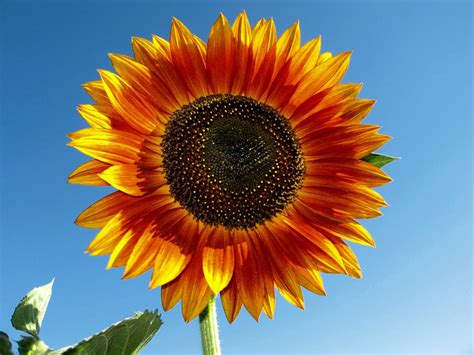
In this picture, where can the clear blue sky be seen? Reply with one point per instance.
(414, 57)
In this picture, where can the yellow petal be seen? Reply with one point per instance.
(140, 77)
(231, 301)
(264, 53)
(123, 249)
(162, 46)
(196, 292)
(304, 60)
(287, 45)
(218, 260)
(96, 91)
(189, 58)
(221, 56)
(95, 115)
(242, 36)
(350, 260)
(125, 178)
(171, 293)
(143, 256)
(324, 57)
(171, 257)
(249, 279)
(323, 76)
(167, 75)
(310, 279)
(108, 146)
(98, 214)
(135, 109)
(109, 236)
(87, 174)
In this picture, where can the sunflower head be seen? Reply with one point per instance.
(237, 163)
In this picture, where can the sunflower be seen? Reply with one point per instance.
(237, 165)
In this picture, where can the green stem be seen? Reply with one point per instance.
(209, 330)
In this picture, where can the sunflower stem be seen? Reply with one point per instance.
(209, 329)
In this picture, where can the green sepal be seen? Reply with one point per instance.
(379, 160)
(29, 313)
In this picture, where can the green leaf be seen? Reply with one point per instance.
(379, 160)
(29, 313)
(32, 346)
(5, 344)
(126, 337)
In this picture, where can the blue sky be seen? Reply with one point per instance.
(414, 57)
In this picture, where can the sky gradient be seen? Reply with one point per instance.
(415, 58)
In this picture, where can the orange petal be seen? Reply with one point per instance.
(196, 292)
(346, 170)
(287, 45)
(87, 174)
(218, 260)
(119, 238)
(267, 275)
(311, 249)
(166, 73)
(123, 249)
(355, 141)
(285, 278)
(249, 278)
(221, 56)
(98, 214)
(334, 100)
(137, 112)
(263, 47)
(140, 77)
(109, 236)
(95, 116)
(142, 257)
(109, 146)
(242, 36)
(351, 230)
(269, 302)
(324, 57)
(231, 301)
(162, 47)
(348, 256)
(171, 293)
(286, 283)
(95, 89)
(189, 58)
(132, 180)
(340, 203)
(356, 111)
(175, 250)
(321, 77)
(263, 39)
(146, 53)
(310, 279)
(169, 263)
(156, 56)
(304, 60)
(327, 185)
(151, 152)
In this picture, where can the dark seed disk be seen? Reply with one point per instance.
(231, 161)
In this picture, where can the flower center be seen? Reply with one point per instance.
(239, 153)
(231, 161)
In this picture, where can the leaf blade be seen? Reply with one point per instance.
(29, 313)
(5, 344)
(128, 336)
